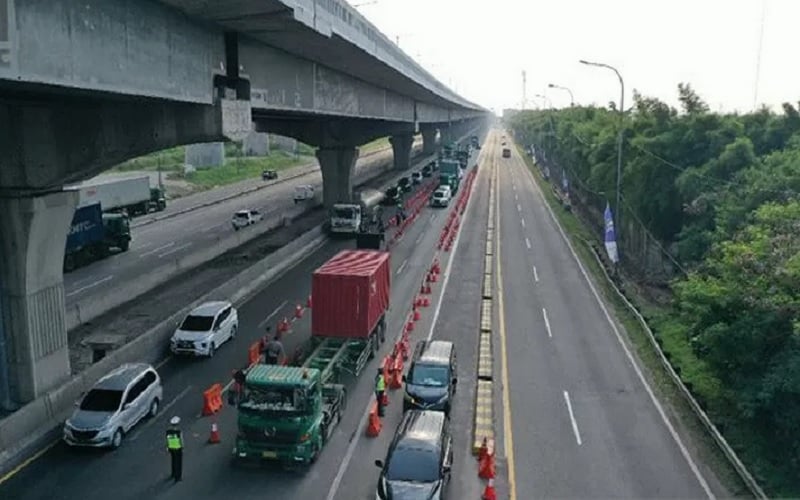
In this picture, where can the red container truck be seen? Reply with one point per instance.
(351, 294)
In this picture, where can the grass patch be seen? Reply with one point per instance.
(672, 336)
(239, 169)
(170, 160)
(375, 145)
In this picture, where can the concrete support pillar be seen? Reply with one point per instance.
(401, 148)
(256, 144)
(428, 141)
(210, 154)
(338, 166)
(33, 233)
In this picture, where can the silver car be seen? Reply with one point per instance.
(115, 404)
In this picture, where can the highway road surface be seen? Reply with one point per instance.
(140, 468)
(161, 242)
(584, 423)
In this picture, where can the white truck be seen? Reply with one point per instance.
(132, 194)
(347, 218)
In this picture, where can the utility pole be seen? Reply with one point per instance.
(524, 89)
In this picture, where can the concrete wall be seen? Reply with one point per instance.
(256, 144)
(211, 154)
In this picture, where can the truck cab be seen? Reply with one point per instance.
(345, 218)
(286, 414)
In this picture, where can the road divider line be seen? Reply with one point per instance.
(535, 275)
(272, 314)
(157, 249)
(519, 208)
(572, 419)
(176, 249)
(402, 266)
(522, 221)
(547, 323)
(90, 285)
(528, 243)
(419, 238)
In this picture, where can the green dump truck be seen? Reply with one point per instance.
(287, 413)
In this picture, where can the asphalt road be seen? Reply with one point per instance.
(140, 468)
(584, 424)
(162, 242)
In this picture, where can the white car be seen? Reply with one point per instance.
(206, 328)
(441, 197)
(244, 218)
(303, 192)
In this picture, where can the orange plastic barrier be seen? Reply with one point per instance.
(254, 353)
(212, 400)
(397, 372)
(374, 424)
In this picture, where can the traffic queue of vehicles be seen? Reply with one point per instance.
(287, 413)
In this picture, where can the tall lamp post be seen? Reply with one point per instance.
(619, 136)
(559, 87)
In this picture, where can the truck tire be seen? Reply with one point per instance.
(382, 330)
(124, 245)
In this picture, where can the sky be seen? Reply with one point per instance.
(479, 48)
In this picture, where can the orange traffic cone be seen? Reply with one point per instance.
(374, 425)
(308, 302)
(416, 314)
(484, 450)
(214, 437)
(298, 311)
(486, 469)
(488, 492)
(425, 302)
(385, 399)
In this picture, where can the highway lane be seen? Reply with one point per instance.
(458, 299)
(139, 469)
(165, 241)
(584, 424)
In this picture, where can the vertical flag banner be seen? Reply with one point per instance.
(564, 181)
(610, 236)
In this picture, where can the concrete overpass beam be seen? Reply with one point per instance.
(428, 141)
(338, 167)
(401, 147)
(33, 233)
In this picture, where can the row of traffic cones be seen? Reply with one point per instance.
(486, 470)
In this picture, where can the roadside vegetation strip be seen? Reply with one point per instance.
(647, 344)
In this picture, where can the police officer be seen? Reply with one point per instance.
(380, 389)
(175, 448)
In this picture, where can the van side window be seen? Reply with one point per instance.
(135, 390)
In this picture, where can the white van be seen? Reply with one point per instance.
(441, 197)
(303, 192)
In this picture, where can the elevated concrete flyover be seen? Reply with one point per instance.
(87, 84)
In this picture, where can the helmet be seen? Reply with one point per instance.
(175, 420)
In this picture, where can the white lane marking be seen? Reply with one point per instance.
(523, 222)
(535, 275)
(433, 217)
(144, 245)
(402, 266)
(419, 238)
(547, 323)
(173, 250)
(157, 249)
(527, 243)
(516, 198)
(90, 285)
(685, 452)
(363, 422)
(514, 187)
(572, 419)
(272, 314)
(162, 411)
(519, 208)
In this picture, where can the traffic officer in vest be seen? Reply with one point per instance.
(380, 389)
(175, 448)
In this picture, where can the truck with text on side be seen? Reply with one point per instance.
(450, 173)
(288, 413)
(132, 195)
(348, 218)
(93, 235)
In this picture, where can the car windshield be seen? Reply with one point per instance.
(197, 323)
(391, 191)
(241, 215)
(101, 400)
(274, 399)
(403, 181)
(429, 375)
(409, 463)
(438, 194)
(344, 212)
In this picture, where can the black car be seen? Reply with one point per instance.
(432, 377)
(268, 175)
(404, 185)
(419, 459)
(427, 171)
(434, 165)
(416, 177)
(393, 195)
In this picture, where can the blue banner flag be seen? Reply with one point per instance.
(564, 181)
(610, 236)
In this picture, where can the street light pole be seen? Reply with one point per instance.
(619, 135)
(571, 97)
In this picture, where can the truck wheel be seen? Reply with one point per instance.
(382, 331)
(69, 263)
(124, 245)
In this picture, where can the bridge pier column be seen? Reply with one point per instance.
(338, 166)
(401, 148)
(33, 233)
(428, 141)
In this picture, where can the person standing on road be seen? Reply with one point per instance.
(175, 448)
(274, 351)
(380, 390)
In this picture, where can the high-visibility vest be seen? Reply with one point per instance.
(380, 384)
(174, 441)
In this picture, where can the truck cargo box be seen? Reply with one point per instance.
(112, 192)
(87, 227)
(350, 293)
